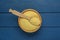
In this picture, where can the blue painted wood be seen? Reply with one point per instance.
(49, 10)
(49, 19)
(39, 5)
(18, 34)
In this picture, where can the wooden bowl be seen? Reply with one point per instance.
(26, 25)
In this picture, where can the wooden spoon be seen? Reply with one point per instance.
(18, 14)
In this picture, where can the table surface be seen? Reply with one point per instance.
(49, 10)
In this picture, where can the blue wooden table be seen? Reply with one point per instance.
(49, 10)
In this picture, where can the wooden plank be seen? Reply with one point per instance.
(49, 19)
(18, 34)
(39, 5)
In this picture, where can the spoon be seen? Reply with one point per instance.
(18, 14)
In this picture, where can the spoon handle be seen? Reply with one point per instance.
(18, 14)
